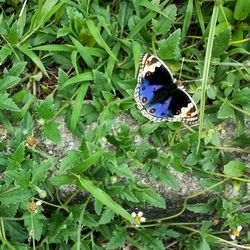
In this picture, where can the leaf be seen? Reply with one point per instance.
(86, 76)
(225, 111)
(169, 48)
(148, 128)
(169, 179)
(88, 162)
(46, 109)
(84, 52)
(20, 176)
(242, 9)
(207, 208)
(52, 132)
(8, 82)
(7, 103)
(40, 172)
(33, 57)
(104, 198)
(118, 239)
(76, 112)
(63, 179)
(163, 24)
(234, 168)
(18, 154)
(221, 41)
(106, 217)
(97, 36)
(15, 196)
(148, 195)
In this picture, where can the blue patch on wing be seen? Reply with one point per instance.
(146, 92)
(161, 110)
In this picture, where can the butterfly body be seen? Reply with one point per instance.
(157, 95)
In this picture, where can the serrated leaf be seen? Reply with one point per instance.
(46, 109)
(207, 208)
(40, 172)
(153, 198)
(107, 216)
(169, 48)
(20, 176)
(234, 168)
(118, 239)
(7, 103)
(52, 132)
(169, 179)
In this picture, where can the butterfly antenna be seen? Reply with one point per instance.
(182, 62)
(194, 80)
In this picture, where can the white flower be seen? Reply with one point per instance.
(138, 217)
(235, 232)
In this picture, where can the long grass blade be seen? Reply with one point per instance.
(206, 68)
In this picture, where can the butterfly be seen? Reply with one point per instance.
(157, 95)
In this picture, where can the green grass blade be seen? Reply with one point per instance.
(137, 28)
(97, 36)
(104, 198)
(111, 60)
(86, 76)
(78, 105)
(208, 55)
(187, 20)
(33, 57)
(199, 16)
(88, 162)
(86, 56)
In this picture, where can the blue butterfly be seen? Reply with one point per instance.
(157, 95)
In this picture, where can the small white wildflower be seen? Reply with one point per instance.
(235, 232)
(138, 217)
(33, 206)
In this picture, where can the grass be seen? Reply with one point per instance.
(79, 60)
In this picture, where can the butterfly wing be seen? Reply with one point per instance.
(157, 95)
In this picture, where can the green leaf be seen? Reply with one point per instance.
(221, 41)
(84, 52)
(118, 239)
(46, 109)
(78, 105)
(106, 217)
(20, 176)
(225, 110)
(163, 24)
(62, 179)
(207, 208)
(86, 76)
(88, 162)
(52, 132)
(18, 154)
(97, 36)
(169, 48)
(148, 128)
(7, 103)
(242, 9)
(104, 198)
(33, 57)
(5, 52)
(153, 198)
(15, 196)
(234, 169)
(40, 172)
(169, 179)
(8, 82)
